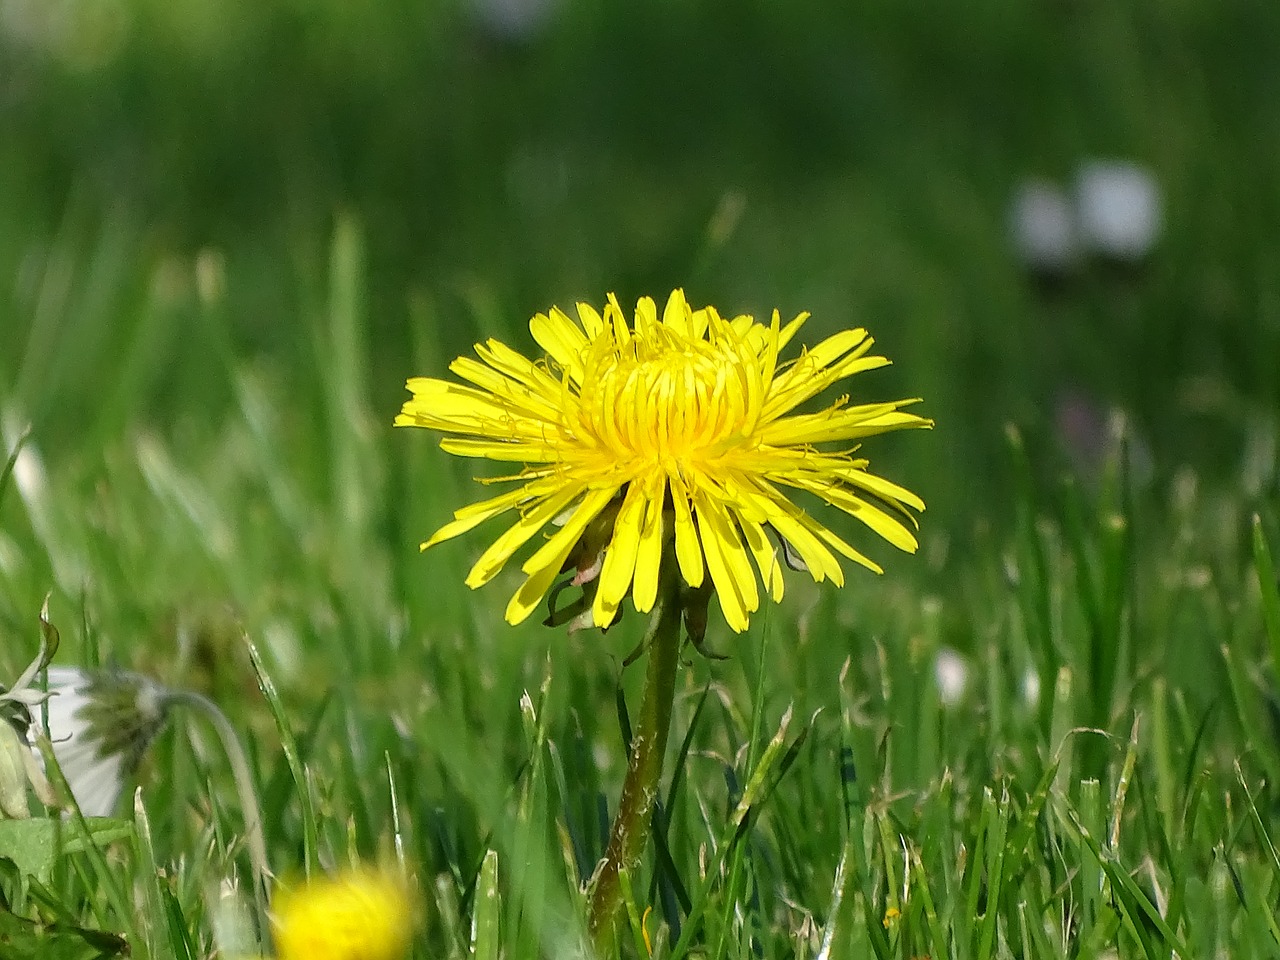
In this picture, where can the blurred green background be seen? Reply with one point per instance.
(172, 172)
(230, 229)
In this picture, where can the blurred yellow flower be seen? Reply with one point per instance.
(362, 915)
(674, 427)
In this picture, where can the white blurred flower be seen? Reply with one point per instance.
(1031, 688)
(1119, 209)
(951, 674)
(1043, 228)
(100, 724)
(514, 20)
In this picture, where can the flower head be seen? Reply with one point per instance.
(362, 915)
(1119, 208)
(100, 724)
(677, 430)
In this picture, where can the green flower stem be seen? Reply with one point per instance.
(242, 774)
(631, 826)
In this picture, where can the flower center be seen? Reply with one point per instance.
(678, 402)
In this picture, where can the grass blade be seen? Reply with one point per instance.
(1269, 587)
(289, 745)
(486, 920)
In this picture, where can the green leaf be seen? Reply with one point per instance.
(23, 939)
(34, 845)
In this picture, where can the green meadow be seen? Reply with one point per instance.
(229, 231)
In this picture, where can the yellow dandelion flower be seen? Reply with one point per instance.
(682, 427)
(361, 915)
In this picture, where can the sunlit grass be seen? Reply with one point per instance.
(825, 793)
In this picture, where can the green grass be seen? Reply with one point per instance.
(212, 472)
(1129, 805)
